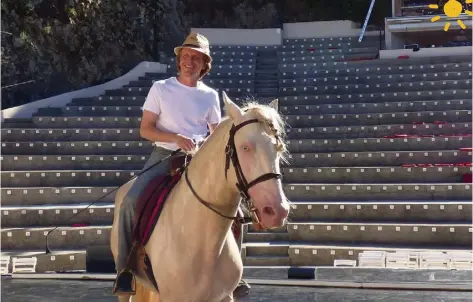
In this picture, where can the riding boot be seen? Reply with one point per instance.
(125, 283)
(242, 289)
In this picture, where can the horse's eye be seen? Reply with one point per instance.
(246, 148)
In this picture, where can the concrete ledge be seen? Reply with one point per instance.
(246, 37)
(438, 286)
(424, 23)
(27, 110)
(363, 274)
(323, 29)
(426, 52)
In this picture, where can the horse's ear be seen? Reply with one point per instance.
(232, 109)
(274, 104)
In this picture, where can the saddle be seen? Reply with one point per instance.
(148, 210)
(151, 201)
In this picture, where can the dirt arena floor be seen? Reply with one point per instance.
(16, 290)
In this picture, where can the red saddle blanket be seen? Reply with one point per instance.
(151, 202)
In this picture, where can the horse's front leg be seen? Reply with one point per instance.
(228, 299)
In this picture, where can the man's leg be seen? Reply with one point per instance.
(127, 210)
(243, 288)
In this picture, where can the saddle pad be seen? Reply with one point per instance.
(150, 205)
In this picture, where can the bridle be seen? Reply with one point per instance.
(242, 185)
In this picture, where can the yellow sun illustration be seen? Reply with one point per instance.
(452, 9)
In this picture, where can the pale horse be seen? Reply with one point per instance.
(192, 250)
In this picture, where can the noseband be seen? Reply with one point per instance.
(242, 185)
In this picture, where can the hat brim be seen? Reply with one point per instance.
(178, 49)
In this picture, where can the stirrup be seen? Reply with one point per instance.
(125, 284)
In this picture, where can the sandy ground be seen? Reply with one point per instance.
(94, 291)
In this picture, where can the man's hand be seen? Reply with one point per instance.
(184, 142)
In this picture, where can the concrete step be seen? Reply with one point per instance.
(87, 122)
(373, 65)
(354, 108)
(57, 215)
(78, 148)
(382, 70)
(294, 145)
(102, 111)
(280, 250)
(222, 61)
(420, 235)
(306, 254)
(143, 91)
(13, 123)
(34, 238)
(71, 134)
(382, 212)
(344, 90)
(378, 144)
(288, 55)
(273, 85)
(310, 45)
(370, 131)
(72, 162)
(377, 192)
(214, 83)
(56, 195)
(266, 95)
(391, 158)
(266, 91)
(109, 101)
(377, 97)
(266, 74)
(337, 159)
(266, 260)
(309, 120)
(57, 261)
(94, 108)
(355, 175)
(330, 57)
(244, 67)
(392, 78)
(66, 178)
(265, 81)
(211, 76)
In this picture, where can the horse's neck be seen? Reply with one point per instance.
(206, 173)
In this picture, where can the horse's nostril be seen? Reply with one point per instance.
(269, 211)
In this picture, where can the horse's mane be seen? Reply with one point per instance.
(271, 119)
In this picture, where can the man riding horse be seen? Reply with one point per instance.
(176, 114)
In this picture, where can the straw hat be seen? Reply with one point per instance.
(197, 42)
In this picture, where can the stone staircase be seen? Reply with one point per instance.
(379, 156)
(266, 76)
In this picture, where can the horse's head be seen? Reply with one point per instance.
(257, 138)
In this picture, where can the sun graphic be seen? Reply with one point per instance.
(452, 9)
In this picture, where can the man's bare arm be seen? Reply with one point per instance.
(149, 131)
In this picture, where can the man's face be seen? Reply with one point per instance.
(191, 63)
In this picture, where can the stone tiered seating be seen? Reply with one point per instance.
(376, 156)
(377, 164)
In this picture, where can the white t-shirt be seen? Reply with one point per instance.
(182, 109)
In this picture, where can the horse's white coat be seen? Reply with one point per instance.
(192, 250)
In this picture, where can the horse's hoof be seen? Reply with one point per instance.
(124, 284)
